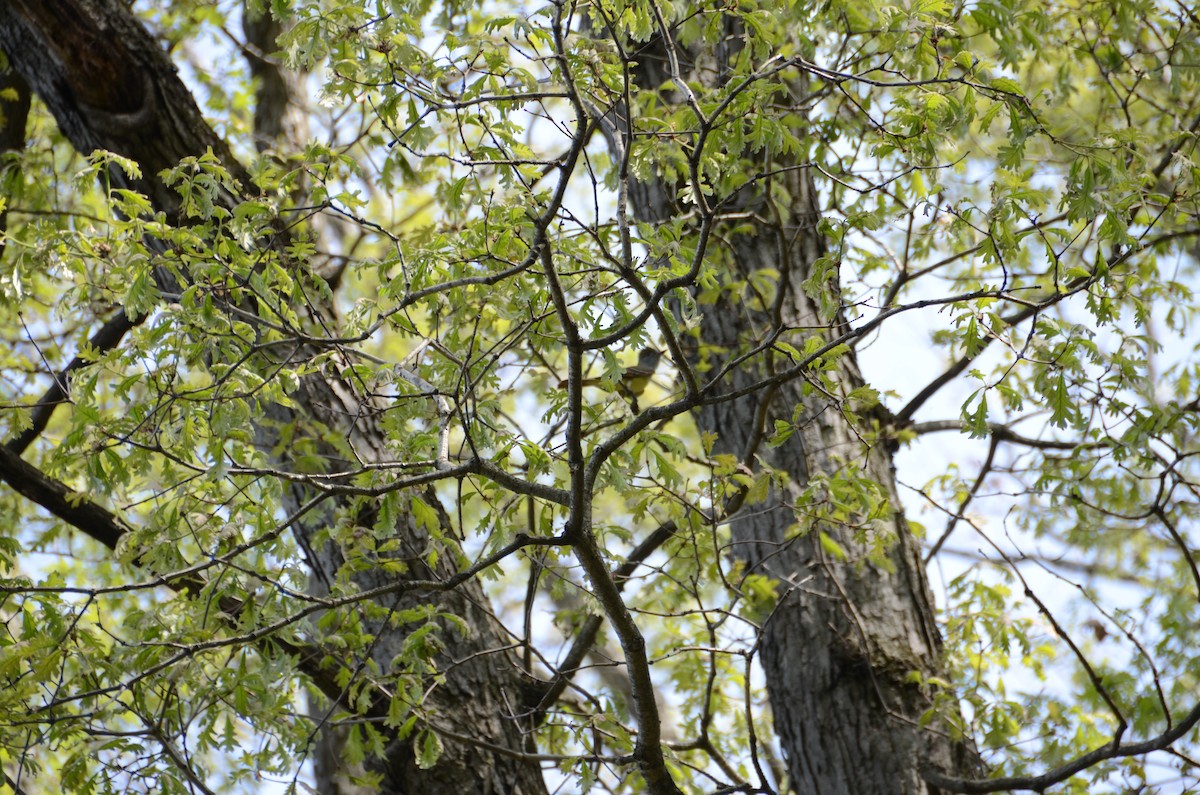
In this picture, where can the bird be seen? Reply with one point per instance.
(633, 379)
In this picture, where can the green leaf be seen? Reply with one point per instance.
(427, 748)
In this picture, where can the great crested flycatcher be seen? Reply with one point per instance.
(633, 380)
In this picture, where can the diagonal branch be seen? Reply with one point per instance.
(1059, 774)
(104, 526)
(105, 339)
(68, 505)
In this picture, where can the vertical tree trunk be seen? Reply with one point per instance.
(849, 635)
(839, 649)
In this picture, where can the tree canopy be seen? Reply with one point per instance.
(321, 471)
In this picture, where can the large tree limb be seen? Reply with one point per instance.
(14, 112)
(109, 86)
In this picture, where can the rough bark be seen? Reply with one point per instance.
(14, 110)
(841, 646)
(110, 86)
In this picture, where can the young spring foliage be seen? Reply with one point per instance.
(293, 477)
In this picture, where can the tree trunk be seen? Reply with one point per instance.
(846, 636)
(849, 635)
(109, 86)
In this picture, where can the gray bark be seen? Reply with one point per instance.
(110, 86)
(840, 646)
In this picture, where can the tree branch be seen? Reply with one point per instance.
(105, 339)
(1062, 773)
